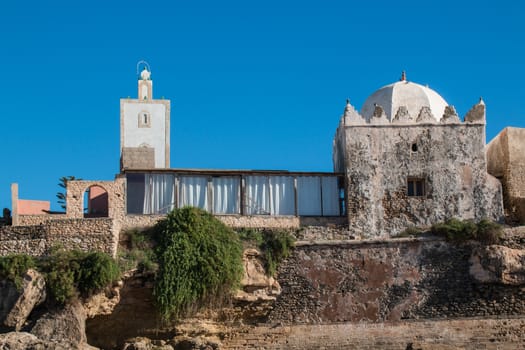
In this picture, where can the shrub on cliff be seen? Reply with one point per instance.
(200, 259)
(485, 231)
(137, 252)
(69, 272)
(13, 267)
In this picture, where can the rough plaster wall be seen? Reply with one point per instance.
(451, 160)
(387, 281)
(138, 158)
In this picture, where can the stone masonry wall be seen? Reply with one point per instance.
(467, 334)
(380, 281)
(83, 234)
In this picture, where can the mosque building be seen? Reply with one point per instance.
(406, 159)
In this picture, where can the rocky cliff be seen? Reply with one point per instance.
(390, 294)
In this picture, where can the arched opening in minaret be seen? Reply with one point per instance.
(96, 202)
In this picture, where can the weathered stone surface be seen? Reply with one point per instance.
(498, 264)
(195, 343)
(103, 303)
(402, 116)
(141, 343)
(27, 341)
(380, 161)
(379, 116)
(506, 161)
(17, 305)
(425, 116)
(468, 334)
(476, 113)
(450, 116)
(64, 326)
(256, 284)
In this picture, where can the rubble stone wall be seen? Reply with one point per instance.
(83, 234)
(382, 281)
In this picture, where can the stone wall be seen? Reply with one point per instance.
(29, 220)
(506, 161)
(448, 159)
(83, 234)
(469, 334)
(380, 281)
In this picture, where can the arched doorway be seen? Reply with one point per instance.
(95, 202)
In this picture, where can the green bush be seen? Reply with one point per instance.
(13, 267)
(69, 272)
(276, 247)
(489, 232)
(138, 253)
(199, 259)
(485, 231)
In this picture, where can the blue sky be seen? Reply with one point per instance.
(253, 84)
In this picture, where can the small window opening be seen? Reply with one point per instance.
(144, 119)
(414, 147)
(415, 187)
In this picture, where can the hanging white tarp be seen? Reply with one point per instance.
(226, 195)
(193, 191)
(159, 193)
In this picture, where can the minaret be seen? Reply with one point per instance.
(144, 128)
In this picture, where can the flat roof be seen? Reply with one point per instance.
(237, 172)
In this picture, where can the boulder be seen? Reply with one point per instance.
(64, 326)
(498, 264)
(16, 305)
(255, 284)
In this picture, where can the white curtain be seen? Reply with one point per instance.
(159, 193)
(282, 195)
(257, 195)
(226, 195)
(193, 192)
(309, 195)
(330, 196)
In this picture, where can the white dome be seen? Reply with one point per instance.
(404, 93)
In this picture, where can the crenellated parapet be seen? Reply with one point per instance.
(351, 117)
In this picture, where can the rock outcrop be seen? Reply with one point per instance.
(103, 303)
(498, 264)
(256, 285)
(27, 341)
(17, 304)
(63, 326)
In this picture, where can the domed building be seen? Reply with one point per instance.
(409, 160)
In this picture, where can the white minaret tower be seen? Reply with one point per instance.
(144, 128)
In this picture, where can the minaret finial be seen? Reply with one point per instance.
(403, 76)
(347, 101)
